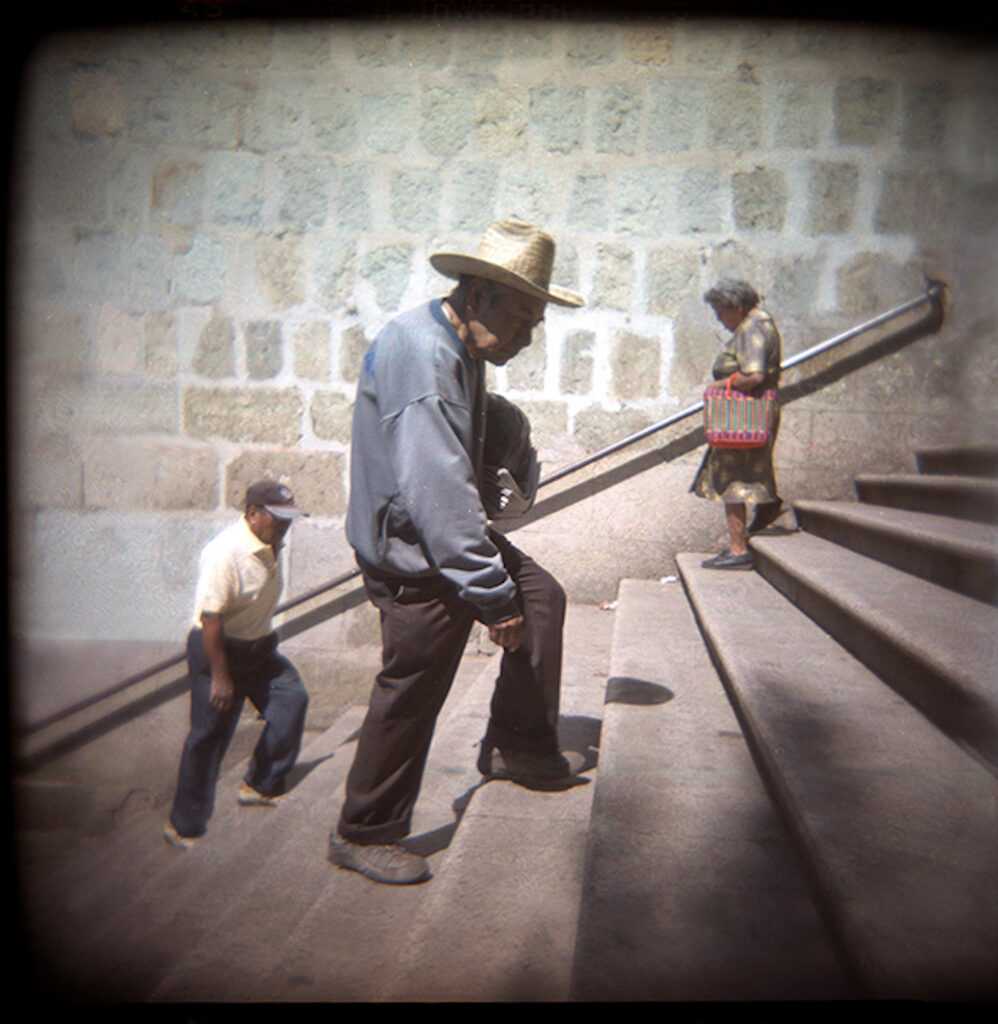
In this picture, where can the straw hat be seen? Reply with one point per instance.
(515, 254)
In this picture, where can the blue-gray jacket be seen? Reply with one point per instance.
(416, 459)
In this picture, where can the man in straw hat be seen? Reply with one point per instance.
(431, 563)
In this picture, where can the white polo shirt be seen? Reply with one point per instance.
(240, 580)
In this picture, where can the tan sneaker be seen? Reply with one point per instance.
(174, 838)
(249, 797)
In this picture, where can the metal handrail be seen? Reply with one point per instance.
(934, 290)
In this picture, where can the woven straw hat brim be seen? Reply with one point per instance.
(452, 264)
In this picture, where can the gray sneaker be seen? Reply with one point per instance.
(391, 865)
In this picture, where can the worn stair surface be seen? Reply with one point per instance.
(897, 823)
(862, 660)
(502, 924)
(966, 497)
(693, 889)
(936, 647)
(796, 798)
(959, 554)
(905, 580)
(255, 913)
(327, 931)
(979, 459)
(130, 905)
(475, 931)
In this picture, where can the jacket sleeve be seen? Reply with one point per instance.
(439, 495)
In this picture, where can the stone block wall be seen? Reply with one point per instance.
(212, 220)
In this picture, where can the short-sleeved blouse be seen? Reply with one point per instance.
(754, 347)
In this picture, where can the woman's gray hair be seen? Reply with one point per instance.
(730, 293)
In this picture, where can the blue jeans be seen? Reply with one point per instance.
(275, 689)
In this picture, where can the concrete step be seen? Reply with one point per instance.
(94, 790)
(693, 889)
(255, 889)
(293, 928)
(73, 883)
(497, 921)
(937, 648)
(255, 912)
(133, 905)
(340, 939)
(897, 824)
(955, 553)
(959, 460)
(965, 497)
(68, 806)
(253, 948)
(85, 771)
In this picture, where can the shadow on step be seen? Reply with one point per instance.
(303, 769)
(577, 734)
(627, 690)
(428, 843)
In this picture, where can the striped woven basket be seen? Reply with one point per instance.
(734, 419)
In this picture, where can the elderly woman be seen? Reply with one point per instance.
(737, 478)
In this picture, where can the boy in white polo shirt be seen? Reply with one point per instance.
(232, 655)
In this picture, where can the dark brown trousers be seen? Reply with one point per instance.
(424, 628)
